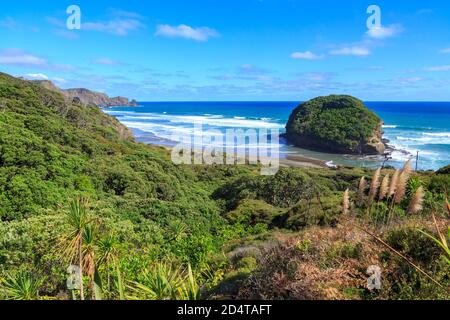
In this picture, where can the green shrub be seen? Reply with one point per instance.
(253, 212)
(321, 211)
(335, 123)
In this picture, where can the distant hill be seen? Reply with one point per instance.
(88, 97)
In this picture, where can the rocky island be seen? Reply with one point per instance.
(88, 97)
(337, 124)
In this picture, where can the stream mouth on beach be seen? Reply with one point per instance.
(409, 127)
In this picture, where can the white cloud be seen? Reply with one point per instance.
(247, 72)
(251, 69)
(385, 32)
(446, 50)
(307, 55)
(35, 76)
(186, 32)
(124, 14)
(59, 80)
(56, 22)
(9, 23)
(119, 27)
(438, 68)
(351, 51)
(369, 68)
(408, 81)
(42, 76)
(108, 62)
(20, 58)
(318, 76)
(15, 25)
(121, 23)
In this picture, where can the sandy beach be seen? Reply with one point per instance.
(296, 161)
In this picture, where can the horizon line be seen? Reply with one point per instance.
(293, 101)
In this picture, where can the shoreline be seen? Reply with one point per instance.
(305, 158)
(294, 161)
(401, 145)
(284, 160)
(299, 161)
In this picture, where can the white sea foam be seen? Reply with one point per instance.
(438, 134)
(225, 122)
(425, 140)
(211, 120)
(139, 118)
(176, 133)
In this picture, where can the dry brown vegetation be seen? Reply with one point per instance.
(324, 263)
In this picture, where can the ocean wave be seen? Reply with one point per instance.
(425, 140)
(404, 154)
(438, 134)
(400, 156)
(211, 120)
(396, 127)
(226, 122)
(177, 133)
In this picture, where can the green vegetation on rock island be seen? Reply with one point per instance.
(77, 191)
(338, 124)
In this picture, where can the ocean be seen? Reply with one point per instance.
(409, 127)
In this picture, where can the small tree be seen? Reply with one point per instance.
(78, 220)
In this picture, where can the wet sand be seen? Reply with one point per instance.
(296, 161)
(301, 162)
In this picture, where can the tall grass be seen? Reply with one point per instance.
(387, 194)
(384, 188)
(374, 185)
(346, 203)
(393, 185)
(416, 201)
(361, 191)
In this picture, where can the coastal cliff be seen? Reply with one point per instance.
(88, 97)
(336, 124)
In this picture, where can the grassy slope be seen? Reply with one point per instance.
(222, 220)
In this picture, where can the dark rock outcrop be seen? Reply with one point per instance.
(337, 124)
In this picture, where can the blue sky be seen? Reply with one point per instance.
(233, 49)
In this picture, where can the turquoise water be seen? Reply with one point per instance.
(409, 126)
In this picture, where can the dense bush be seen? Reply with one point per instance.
(334, 123)
(253, 212)
(217, 219)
